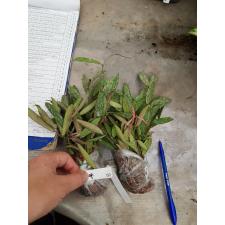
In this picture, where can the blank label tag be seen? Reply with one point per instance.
(166, 1)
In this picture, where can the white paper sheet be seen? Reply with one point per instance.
(62, 5)
(51, 37)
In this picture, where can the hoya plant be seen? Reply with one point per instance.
(65, 118)
(76, 120)
(126, 119)
(127, 122)
(109, 116)
(130, 118)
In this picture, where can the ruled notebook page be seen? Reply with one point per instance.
(51, 35)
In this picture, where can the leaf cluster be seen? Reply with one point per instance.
(104, 115)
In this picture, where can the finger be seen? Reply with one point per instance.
(64, 161)
(72, 181)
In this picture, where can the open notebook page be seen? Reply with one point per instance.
(51, 37)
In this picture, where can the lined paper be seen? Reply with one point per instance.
(62, 5)
(51, 36)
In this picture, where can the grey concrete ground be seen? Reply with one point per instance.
(145, 35)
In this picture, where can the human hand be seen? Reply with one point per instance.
(51, 177)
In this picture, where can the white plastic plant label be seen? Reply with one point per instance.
(101, 173)
(108, 173)
(120, 188)
(166, 1)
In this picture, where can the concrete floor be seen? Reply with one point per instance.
(145, 35)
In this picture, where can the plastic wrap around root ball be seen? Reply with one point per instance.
(133, 172)
(94, 187)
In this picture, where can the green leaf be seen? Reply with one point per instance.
(157, 104)
(121, 119)
(127, 99)
(115, 105)
(96, 85)
(36, 118)
(122, 145)
(148, 141)
(79, 103)
(120, 134)
(143, 147)
(116, 96)
(65, 100)
(101, 105)
(126, 134)
(151, 89)
(85, 132)
(113, 132)
(111, 85)
(149, 95)
(55, 105)
(126, 115)
(62, 106)
(77, 126)
(111, 119)
(161, 120)
(106, 143)
(89, 146)
(57, 116)
(159, 113)
(140, 100)
(123, 138)
(90, 126)
(143, 78)
(67, 119)
(139, 133)
(86, 83)
(160, 102)
(142, 114)
(143, 127)
(73, 93)
(44, 116)
(108, 129)
(126, 92)
(127, 104)
(88, 108)
(86, 156)
(87, 60)
(96, 138)
(155, 108)
(133, 142)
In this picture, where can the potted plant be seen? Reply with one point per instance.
(76, 119)
(127, 127)
(126, 123)
(109, 116)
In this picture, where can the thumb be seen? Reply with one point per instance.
(73, 181)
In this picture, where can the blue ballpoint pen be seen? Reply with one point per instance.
(172, 209)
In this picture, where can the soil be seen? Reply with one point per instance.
(133, 174)
(97, 188)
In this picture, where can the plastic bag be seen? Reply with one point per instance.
(133, 172)
(94, 187)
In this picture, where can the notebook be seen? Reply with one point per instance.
(52, 25)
